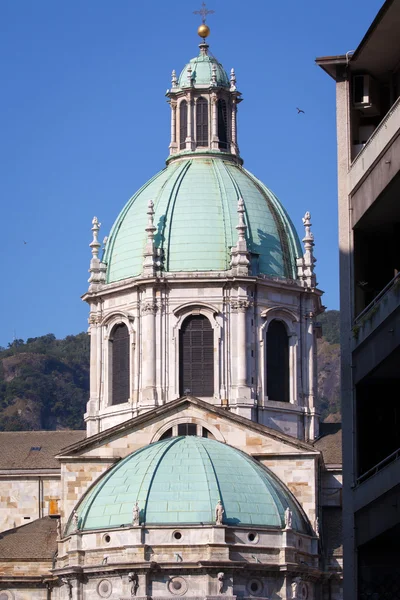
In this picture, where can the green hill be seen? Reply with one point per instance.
(44, 382)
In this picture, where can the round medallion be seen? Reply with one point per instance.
(6, 595)
(303, 591)
(255, 587)
(104, 588)
(177, 586)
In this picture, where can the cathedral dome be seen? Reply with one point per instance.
(201, 72)
(180, 480)
(195, 202)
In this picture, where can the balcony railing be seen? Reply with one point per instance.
(392, 283)
(375, 144)
(375, 469)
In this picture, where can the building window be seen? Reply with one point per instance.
(196, 352)
(187, 429)
(119, 364)
(277, 362)
(182, 124)
(222, 125)
(201, 122)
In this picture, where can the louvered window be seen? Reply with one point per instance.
(222, 125)
(182, 124)
(277, 362)
(197, 357)
(202, 122)
(120, 364)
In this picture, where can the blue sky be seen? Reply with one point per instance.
(84, 124)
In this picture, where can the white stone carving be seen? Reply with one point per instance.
(239, 254)
(288, 518)
(240, 306)
(219, 513)
(221, 581)
(233, 80)
(58, 530)
(136, 514)
(305, 264)
(148, 307)
(97, 268)
(75, 520)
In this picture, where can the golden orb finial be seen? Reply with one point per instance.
(203, 31)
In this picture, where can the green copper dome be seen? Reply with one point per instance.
(195, 202)
(180, 480)
(202, 71)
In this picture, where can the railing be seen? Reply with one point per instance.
(369, 141)
(389, 459)
(377, 299)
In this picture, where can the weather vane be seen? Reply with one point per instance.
(203, 30)
(203, 12)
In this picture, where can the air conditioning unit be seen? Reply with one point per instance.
(366, 94)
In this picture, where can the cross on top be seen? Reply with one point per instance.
(203, 12)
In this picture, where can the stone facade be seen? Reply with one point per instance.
(240, 304)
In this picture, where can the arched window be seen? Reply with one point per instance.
(182, 124)
(201, 122)
(196, 352)
(119, 364)
(277, 362)
(222, 125)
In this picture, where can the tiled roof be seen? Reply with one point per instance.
(330, 443)
(34, 449)
(36, 540)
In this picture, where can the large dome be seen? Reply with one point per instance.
(180, 480)
(195, 202)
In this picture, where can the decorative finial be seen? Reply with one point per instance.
(189, 75)
(214, 75)
(95, 244)
(203, 30)
(97, 268)
(233, 81)
(305, 264)
(239, 253)
(173, 79)
(150, 258)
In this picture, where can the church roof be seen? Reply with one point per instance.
(180, 480)
(33, 541)
(330, 443)
(201, 72)
(195, 203)
(25, 450)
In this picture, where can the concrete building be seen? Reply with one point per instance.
(202, 472)
(368, 127)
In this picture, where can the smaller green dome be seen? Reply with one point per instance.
(178, 481)
(202, 72)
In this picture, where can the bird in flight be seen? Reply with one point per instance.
(25, 242)
(299, 110)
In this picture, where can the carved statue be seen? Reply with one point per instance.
(75, 520)
(134, 579)
(136, 514)
(316, 527)
(219, 513)
(67, 582)
(58, 530)
(288, 518)
(221, 579)
(296, 587)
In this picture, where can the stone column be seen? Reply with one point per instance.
(173, 145)
(214, 122)
(234, 147)
(93, 405)
(241, 393)
(189, 137)
(148, 339)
